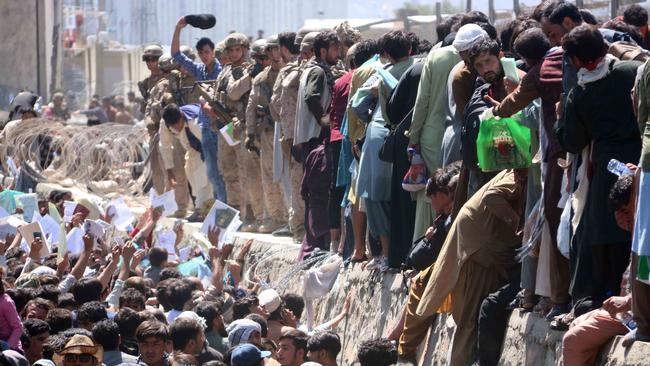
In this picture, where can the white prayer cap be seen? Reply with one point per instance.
(269, 299)
(467, 35)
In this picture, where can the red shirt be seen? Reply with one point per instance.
(340, 93)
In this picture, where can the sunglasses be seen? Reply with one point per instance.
(262, 58)
(85, 358)
(149, 58)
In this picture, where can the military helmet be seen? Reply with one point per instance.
(273, 41)
(258, 47)
(302, 32)
(308, 41)
(166, 62)
(219, 49)
(152, 50)
(189, 52)
(236, 39)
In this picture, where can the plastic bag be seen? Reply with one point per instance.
(502, 143)
(416, 177)
(533, 229)
(564, 231)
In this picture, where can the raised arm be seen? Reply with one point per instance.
(107, 273)
(176, 40)
(80, 266)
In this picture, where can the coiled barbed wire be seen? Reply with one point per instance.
(85, 154)
(260, 268)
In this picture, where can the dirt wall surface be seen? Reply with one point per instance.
(378, 300)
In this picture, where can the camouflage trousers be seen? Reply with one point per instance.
(241, 173)
(273, 196)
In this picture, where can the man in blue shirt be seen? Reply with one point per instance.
(207, 70)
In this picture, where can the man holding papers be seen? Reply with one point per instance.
(181, 123)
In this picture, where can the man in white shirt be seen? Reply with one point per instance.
(182, 123)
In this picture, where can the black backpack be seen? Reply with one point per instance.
(471, 124)
(424, 252)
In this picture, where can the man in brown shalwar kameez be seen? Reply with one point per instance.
(477, 257)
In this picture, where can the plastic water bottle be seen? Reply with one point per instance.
(616, 167)
(626, 319)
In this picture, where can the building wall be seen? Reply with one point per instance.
(19, 51)
(143, 21)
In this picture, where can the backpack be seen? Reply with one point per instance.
(424, 252)
(471, 124)
(628, 51)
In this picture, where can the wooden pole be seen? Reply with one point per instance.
(580, 4)
(438, 12)
(614, 8)
(515, 7)
(491, 12)
(468, 6)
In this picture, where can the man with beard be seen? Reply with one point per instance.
(486, 56)
(312, 127)
(315, 91)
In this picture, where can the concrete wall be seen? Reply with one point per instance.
(379, 299)
(19, 51)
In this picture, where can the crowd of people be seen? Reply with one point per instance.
(371, 150)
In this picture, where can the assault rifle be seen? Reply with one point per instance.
(224, 114)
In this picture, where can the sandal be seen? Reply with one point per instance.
(527, 303)
(359, 260)
(563, 322)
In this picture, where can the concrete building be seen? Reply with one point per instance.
(31, 54)
(143, 21)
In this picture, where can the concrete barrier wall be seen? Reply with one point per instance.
(378, 300)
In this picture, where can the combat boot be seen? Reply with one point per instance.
(269, 226)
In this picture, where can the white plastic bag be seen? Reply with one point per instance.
(564, 231)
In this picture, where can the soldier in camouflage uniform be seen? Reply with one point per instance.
(240, 168)
(283, 104)
(166, 91)
(221, 54)
(260, 127)
(150, 56)
(188, 94)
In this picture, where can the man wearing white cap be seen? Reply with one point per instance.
(270, 300)
(428, 123)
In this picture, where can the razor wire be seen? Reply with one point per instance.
(260, 267)
(85, 154)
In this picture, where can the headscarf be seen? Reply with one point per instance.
(241, 330)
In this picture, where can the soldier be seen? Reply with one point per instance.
(284, 104)
(208, 69)
(151, 55)
(240, 168)
(162, 94)
(347, 36)
(221, 54)
(188, 93)
(260, 127)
